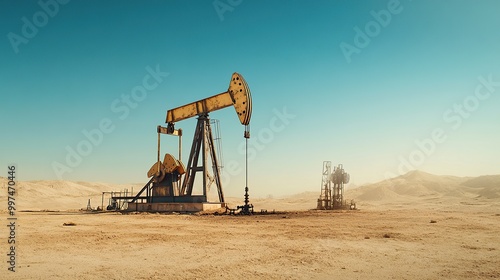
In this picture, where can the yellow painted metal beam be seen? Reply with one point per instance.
(199, 107)
(238, 95)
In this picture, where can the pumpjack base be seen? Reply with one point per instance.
(174, 207)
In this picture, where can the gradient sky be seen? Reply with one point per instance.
(418, 77)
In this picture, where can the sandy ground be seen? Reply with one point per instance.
(395, 241)
(390, 237)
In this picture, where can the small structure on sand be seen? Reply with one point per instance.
(332, 188)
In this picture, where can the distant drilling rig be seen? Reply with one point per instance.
(332, 188)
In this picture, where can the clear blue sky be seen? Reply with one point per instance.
(366, 107)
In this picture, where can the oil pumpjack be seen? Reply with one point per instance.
(170, 187)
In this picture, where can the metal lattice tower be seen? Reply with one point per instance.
(324, 201)
(217, 141)
(338, 177)
(332, 187)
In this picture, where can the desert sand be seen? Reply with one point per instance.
(416, 226)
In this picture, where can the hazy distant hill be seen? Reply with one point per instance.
(412, 186)
(61, 195)
(418, 184)
(485, 186)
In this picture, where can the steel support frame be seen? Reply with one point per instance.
(203, 143)
(325, 200)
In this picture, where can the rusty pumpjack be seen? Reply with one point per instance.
(164, 191)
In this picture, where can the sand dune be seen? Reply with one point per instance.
(64, 195)
(417, 184)
(396, 234)
(485, 186)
